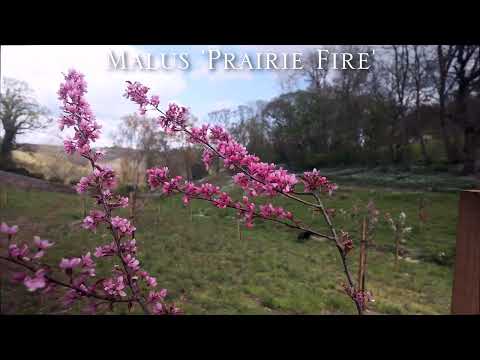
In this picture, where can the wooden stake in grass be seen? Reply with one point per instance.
(132, 205)
(239, 230)
(362, 267)
(84, 203)
(133, 200)
(397, 248)
(422, 213)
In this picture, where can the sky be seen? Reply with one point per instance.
(198, 88)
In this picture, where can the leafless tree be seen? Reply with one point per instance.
(420, 69)
(467, 74)
(444, 84)
(19, 113)
(398, 83)
(140, 134)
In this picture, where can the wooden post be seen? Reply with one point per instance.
(466, 283)
(239, 230)
(84, 202)
(397, 248)
(362, 263)
(133, 205)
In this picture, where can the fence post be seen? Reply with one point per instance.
(362, 263)
(466, 282)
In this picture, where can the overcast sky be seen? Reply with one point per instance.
(198, 88)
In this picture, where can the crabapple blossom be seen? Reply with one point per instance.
(115, 286)
(122, 225)
(157, 176)
(69, 264)
(19, 252)
(36, 282)
(91, 221)
(42, 244)
(313, 181)
(9, 230)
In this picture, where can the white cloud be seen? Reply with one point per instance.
(42, 66)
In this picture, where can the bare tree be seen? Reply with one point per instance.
(140, 134)
(467, 74)
(316, 76)
(444, 83)
(398, 83)
(419, 69)
(20, 113)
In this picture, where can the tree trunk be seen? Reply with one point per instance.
(469, 134)
(451, 147)
(6, 160)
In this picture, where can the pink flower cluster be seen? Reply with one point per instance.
(115, 286)
(361, 297)
(346, 241)
(138, 94)
(22, 253)
(122, 225)
(77, 114)
(9, 230)
(247, 210)
(41, 245)
(91, 221)
(158, 177)
(101, 177)
(313, 181)
(270, 211)
(174, 119)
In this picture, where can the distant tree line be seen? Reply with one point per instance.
(416, 104)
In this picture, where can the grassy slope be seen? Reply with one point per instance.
(198, 256)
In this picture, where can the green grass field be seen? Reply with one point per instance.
(198, 256)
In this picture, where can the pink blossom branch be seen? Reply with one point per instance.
(254, 176)
(100, 183)
(341, 250)
(319, 205)
(108, 218)
(66, 285)
(297, 224)
(242, 169)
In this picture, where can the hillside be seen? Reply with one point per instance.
(51, 163)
